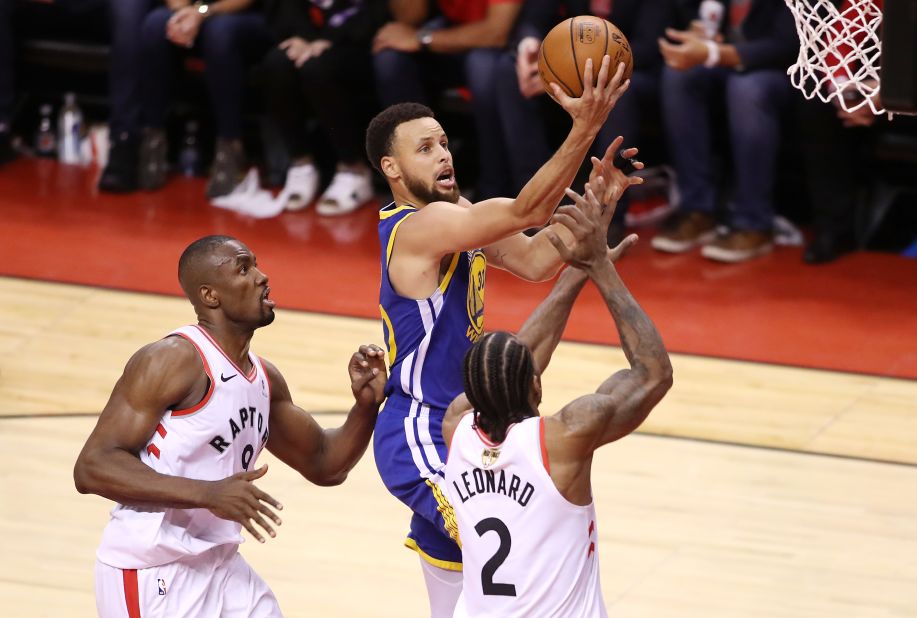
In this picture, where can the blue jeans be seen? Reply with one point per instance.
(754, 104)
(402, 77)
(124, 73)
(229, 43)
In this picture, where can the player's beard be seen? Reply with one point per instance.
(428, 194)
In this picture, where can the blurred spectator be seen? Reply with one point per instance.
(6, 80)
(228, 35)
(519, 86)
(322, 64)
(461, 46)
(744, 66)
(124, 77)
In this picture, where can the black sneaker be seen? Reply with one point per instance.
(120, 174)
(154, 161)
(228, 168)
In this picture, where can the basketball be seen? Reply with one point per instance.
(564, 51)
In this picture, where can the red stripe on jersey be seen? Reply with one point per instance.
(153, 450)
(161, 430)
(591, 527)
(131, 593)
(591, 549)
(206, 398)
(248, 376)
(544, 447)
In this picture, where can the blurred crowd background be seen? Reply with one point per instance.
(269, 100)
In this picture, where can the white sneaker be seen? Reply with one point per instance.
(248, 198)
(346, 193)
(300, 188)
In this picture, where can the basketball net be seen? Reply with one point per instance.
(839, 50)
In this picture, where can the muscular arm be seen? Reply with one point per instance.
(160, 376)
(322, 456)
(544, 328)
(626, 398)
(492, 31)
(532, 258)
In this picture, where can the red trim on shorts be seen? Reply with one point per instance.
(206, 398)
(153, 450)
(250, 377)
(544, 446)
(161, 430)
(131, 593)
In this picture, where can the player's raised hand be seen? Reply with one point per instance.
(237, 499)
(367, 375)
(617, 179)
(587, 220)
(592, 108)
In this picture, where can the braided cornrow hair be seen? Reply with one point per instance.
(498, 379)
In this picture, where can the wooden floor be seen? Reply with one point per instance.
(731, 502)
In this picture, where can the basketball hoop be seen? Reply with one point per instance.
(839, 51)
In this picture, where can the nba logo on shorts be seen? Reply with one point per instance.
(587, 32)
(162, 587)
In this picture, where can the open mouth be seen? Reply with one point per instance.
(446, 179)
(265, 298)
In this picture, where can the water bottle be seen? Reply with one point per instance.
(69, 131)
(189, 157)
(45, 138)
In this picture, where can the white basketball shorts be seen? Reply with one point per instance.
(216, 583)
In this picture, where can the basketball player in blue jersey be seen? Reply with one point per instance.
(435, 246)
(177, 444)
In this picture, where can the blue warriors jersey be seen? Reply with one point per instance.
(427, 339)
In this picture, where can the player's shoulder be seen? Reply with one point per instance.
(172, 350)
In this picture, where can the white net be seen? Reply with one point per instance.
(839, 51)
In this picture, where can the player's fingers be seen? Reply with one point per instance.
(570, 223)
(263, 496)
(573, 195)
(559, 95)
(255, 474)
(269, 513)
(588, 73)
(264, 525)
(677, 35)
(562, 249)
(604, 69)
(247, 524)
(623, 247)
(575, 212)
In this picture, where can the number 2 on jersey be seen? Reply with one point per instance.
(492, 524)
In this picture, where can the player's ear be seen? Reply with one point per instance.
(209, 296)
(390, 168)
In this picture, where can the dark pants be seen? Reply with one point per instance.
(336, 97)
(526, 137)
(402, 77)
(125, 72)
(754, 103)
(228, 44)
(6, 64)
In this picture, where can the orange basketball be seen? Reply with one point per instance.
(567, 46)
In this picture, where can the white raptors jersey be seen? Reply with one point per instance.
(220, 436)
(527, 551)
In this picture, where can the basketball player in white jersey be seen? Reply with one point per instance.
(519, 483)
(177, 443)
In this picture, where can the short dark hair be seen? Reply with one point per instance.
(190, 258)
(498, 372)
(381, 130)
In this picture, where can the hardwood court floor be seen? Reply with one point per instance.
(686, 527)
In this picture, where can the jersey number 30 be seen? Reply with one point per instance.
(492, 524)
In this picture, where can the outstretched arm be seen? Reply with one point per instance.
(326, 456)
(625, 399)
